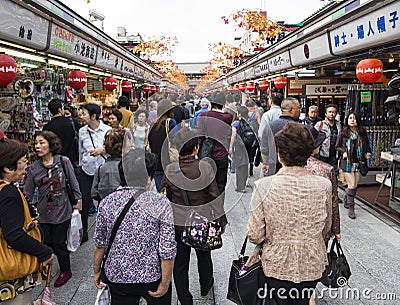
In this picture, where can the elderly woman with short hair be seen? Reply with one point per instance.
(290, 216)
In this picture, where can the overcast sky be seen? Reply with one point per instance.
(194, 23)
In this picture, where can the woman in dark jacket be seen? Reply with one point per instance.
(201, 187)
(353, 144)
(13, 164)
(158, 136)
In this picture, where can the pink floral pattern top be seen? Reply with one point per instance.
(146, 236)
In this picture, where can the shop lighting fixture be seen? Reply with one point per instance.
(67, 65)
(391, 58)
(28, 65)
(22, 55)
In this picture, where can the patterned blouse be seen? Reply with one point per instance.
(291, 213)
(322, 169)
(145, 237)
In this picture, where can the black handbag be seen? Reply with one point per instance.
(337, 273)
(363, 167)
(247, 285)
(198, 232)
(68, 186)
(206, 148)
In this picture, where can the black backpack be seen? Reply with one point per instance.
(246, 133)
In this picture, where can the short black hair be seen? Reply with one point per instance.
(301, 144)
(139, 111)
(185, 141)
(137, 166)
(93, 109)
(10, 152)
(123, 101)
(277, 98)
(117, 114)
(331, 105)
(54, 105)
(243, 111)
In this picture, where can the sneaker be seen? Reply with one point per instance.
(63, 278)
(92, 211)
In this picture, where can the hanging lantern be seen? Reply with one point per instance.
(126, 85)
(280, 82)
(8, 69)
(236, 87)
(250, 86)
(231, 89)
(153, 88)
(263, 85)
(369, 70)
(110, 83)
(242, 87)
(146, 88)
(77, 79)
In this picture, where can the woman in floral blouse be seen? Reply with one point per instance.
(290, 213)
(141, 258)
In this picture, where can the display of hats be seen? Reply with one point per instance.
(24, 87)
(395, 81)
(393, 95)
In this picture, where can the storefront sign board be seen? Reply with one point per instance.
(313, 50)
(23, 27)
(279, 62)
(65, 43)
(323, 90)
(376, 28)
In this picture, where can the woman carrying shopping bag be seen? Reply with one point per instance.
(54, 206)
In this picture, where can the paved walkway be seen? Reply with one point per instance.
(371, 245)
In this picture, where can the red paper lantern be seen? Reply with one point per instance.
(126, 85)
(280, 82)
(263, 85)
(153, 88)
(369, 70)
(251, 86)
(77, 79)
(231, 89)
(110, 83)
(146, 88)
(242, 87)
(236, 87)
(8, 69)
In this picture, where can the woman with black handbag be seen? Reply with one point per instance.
(13, 163)
(353, 144)
(291, 213)
(192, 183)
(54, 206)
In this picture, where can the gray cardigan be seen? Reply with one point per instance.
(53, 203)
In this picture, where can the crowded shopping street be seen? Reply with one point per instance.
(199, 153)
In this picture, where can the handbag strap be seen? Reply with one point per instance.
(94, 146)
(182, 186)
(73, 127)
(117, 225)
(243, 250)
(64, 170)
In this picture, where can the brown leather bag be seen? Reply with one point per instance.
(15, 264)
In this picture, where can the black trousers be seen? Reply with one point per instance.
(181, 270)
(222, 175)
(85, 184)
(290, 293)
(130, 294)
(55, 236)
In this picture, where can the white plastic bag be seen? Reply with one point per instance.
(103, 296)
(74, 237)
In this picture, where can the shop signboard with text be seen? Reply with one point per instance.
(23, 27)
(375, 28)
(324, 90)
(66, 43)
(110, 61)
(279, 62)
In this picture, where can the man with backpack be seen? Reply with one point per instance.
(243, 146)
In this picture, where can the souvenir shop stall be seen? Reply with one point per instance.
(48, 51)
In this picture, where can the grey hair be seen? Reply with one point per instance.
(204, 102)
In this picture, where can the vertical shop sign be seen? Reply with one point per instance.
(65, 43)
(378, 27)
(23, 27)
(365, 96)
